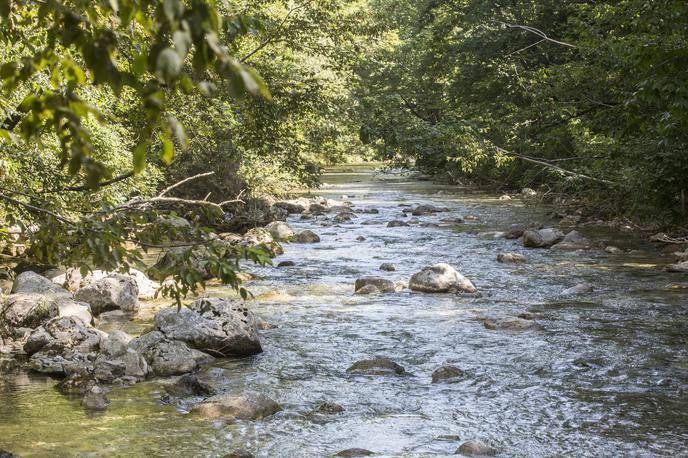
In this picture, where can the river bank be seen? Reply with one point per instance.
(605, 376)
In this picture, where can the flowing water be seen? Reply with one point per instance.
(607, 376)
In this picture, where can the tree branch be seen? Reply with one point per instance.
(537, 32)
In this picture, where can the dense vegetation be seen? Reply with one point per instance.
(107, 105)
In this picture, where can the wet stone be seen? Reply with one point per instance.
(329, 408)
(351, 452)
(376, 366)
(475, 448)
(388, 267)
(447, 374)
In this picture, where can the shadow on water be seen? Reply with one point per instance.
(607, 376)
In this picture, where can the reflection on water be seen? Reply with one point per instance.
(607, 377)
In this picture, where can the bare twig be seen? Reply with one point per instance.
(537, 32)
(273, 36)
(184, 181)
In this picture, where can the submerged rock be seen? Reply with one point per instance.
(581, 288)
(388, 267)
(95, 399)
(440, 278)
(511, 324)
(383, 285)
(189, 385)
(425, 210)
(397, 223)
(239, 454)
(329, 408)
(218, 327)
(515, 231)
(475, 448)
(447, 374)
(367, 289)
(116, 291)
(613, 250)
(352, 452)
(249, 406)
(543, 238)
(286, 264)
(511, 258)
(376, 366)
(280, 230)
(306, 236)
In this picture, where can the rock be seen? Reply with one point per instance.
(329, 408)
(678, 267)
(264, 325)
(368, 289)
(286, 264)
(95, 399)
(446, 374)
(455, 220)
(239, 454)
(256, 237)
(291, 207)
(471, 218)
(249, 406)
(306, 236)
(280, 230)
(73, 281)
(117, 361)
(528, 193)
(491, 235)
(81, 310)
(147, 287)
(174, 256)
(511, 258)
(6, 454)
(570, 220)
(543, 238)
(352, 452)
(511, 324)
(531, 315)
(388, 267)
(515, 231)
(425, 210)
(681, 256)
(76, 384)
(317, 209)
(215, 326)
(174, 222)
(189, 385)
(581, 288)
(382, 284)
(505, 197)
(613, 250)
(360, 238)
(369, 211)
(397, 223)
(31, 282)
(440, 278)
(573, 241)
(26, 310)
(376, 366)
(169, 357)
(62, 346)
(475, 448)
(344, 217)
(116, 291)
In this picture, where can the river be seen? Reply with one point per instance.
(607, 376)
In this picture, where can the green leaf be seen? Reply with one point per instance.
(139, 156)
(173, 9)
(167, 149)
(168, 64)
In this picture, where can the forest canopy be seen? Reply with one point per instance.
(114, 113)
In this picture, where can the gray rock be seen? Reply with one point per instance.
(286, 264)
(382, 284)
(368, 289)
(515, 231)
(678, 267)
(397, 223)
(306, 236)
(26, 310)
(116, 291)
(581, 288)
(425, 210)
(543, 238)
(167, 357)
(447, 374)
(215, 326)
(511, 258)
(249, 406)
(31, 282)
(440, 278)
(573, 241)
(280, 230)
(76, 384)
(81, 310)
(613, 250)
(475, 448)
(344, 217)
(388, 267)
(291, 207)
(239, 454)
(511, 324)
(376, 366)
(117, 361)
(329, 408)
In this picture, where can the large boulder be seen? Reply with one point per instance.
(382, 284)
(218, 327)
(63, 346)
(117, 361)
(116, 291)
(167, 357)
(31, 282)
(306, 236)
(543, 238)
(280, 230)
(440, 278)
(249, 406)
(573, 241)
(425, 210)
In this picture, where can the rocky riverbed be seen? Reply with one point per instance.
(400, 318)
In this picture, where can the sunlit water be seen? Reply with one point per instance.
(607, 377)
